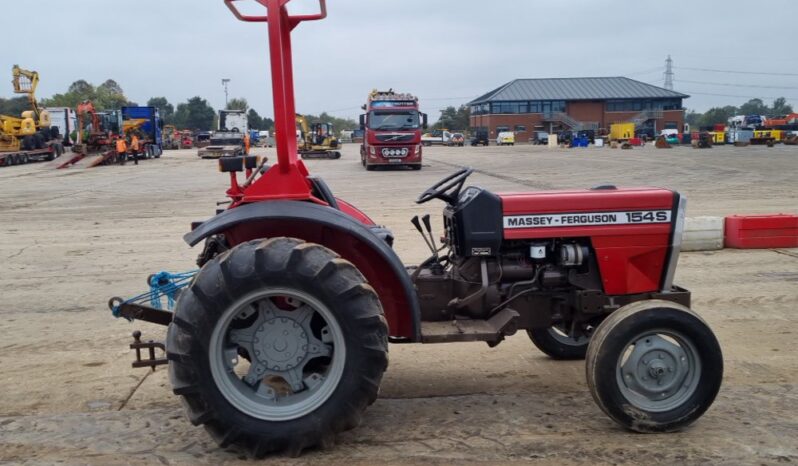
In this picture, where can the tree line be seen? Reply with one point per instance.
(195, 114)
(454, 118)
(718, 115)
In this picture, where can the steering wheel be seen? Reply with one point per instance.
(447, 189)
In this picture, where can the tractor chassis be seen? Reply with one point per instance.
(590, 305)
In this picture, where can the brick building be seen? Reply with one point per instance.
(556, 104)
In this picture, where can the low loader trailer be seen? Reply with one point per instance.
(8, 159)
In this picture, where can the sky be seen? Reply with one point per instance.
(444, 51)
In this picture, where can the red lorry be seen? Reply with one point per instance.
(392, 128)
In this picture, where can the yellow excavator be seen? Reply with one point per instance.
(32, 130)
(318, 140)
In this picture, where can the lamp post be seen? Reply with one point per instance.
(225, 82)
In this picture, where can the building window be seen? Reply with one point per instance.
(640, 105)
(520, 129)
(671, 125)
(534, 106)
(502, 129)
(480, 109)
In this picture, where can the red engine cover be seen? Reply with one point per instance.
(630, 229)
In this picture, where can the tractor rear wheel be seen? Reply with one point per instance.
(654, 366)
(556, 342)
(277, 345)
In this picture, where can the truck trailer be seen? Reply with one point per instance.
(235, 121)
(151, 130)
(66, 120)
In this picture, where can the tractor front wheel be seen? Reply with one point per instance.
(654, 366)
(557, 342)
(277, 345)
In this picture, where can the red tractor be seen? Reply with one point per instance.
(280, 341)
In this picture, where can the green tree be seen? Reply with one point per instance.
(81, 87)
(718, 115)
(196, 114)
(165, 109)
(107, 96)
(781, 107)
(454, 118)
(339, 124)
(692, 118)
(238, 104)
(754, 107)
(257, 122)
(14, 106)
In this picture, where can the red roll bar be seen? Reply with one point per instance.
(287, 180)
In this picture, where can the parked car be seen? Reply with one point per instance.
(506, 138)
(540, 138)
(458, 139)
(480, 137)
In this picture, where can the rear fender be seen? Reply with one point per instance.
(335, 230)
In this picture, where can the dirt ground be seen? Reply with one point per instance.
(71, 239)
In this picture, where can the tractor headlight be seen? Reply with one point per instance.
(372, 150)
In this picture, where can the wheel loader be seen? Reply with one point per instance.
(280, 340)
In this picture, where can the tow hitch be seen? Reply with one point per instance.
(150, 345)
(149, 307)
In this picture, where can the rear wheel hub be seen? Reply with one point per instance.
(281, 344)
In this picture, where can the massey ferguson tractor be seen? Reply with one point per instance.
(280, 340)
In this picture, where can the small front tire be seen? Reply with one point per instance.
(557, 344)
(654, 366)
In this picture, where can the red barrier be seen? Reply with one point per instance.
(762, 231)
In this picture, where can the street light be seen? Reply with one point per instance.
(225, 82)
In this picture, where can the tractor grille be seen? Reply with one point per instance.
(396, 137)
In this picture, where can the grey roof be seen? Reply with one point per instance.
(576, 89)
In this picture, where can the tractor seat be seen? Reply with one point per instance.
(322, 191)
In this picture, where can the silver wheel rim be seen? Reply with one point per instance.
(658, 370)
(296, 355)
(561, 336)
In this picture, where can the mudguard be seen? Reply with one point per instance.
(334, 229)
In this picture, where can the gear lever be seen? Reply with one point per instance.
(417, 224)
(425, 219)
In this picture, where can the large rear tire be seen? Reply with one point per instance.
(277, 345)
(654, 366)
